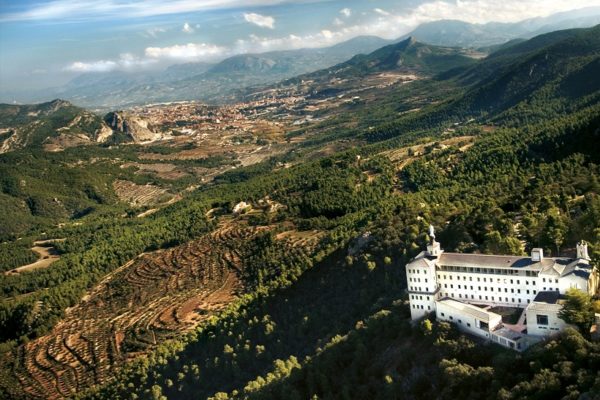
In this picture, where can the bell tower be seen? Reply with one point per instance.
(433, 249)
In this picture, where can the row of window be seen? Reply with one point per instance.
(416, 289)
(416, 280)
(416, 271)
(420, 307)
(458, 320)
(418, 297)
(485, 288)
(494, 271)
(543, 327)
(483, 297)
(491, 280)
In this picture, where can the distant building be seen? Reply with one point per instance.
(462, 287)
(240, 208)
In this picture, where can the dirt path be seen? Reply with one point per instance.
(47, 254)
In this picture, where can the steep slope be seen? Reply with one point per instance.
(55, 125)
(557, 69)
(391, 65)
(551, 74)
(411, 55)
(130, 128)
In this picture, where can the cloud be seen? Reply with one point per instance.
(338, 22)
(382, 12)
(187, 28)
(154, 32)
(121, 9)
(327, 34)
(186, 52)
(261, 20)
(346, 12)
(94, 66)
(257, 44)
(126, 61)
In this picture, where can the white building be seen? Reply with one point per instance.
(542, 315)
(438, 280)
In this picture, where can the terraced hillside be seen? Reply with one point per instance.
(153, 298)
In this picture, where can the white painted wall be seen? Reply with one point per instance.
(555, 324)
(465, 322)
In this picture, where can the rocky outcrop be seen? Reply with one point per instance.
(137, 129)
(53, 126)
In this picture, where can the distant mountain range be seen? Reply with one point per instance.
(209, 82)
(219, 83)
(464, 34)
(557, 71)
(409, 55)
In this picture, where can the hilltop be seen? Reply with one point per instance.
(162, 289)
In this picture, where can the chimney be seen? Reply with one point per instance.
(582, 251)
(537, 255)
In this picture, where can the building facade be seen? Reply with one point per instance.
(435, 277)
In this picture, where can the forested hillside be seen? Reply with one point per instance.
(319, 308)
(537, 185)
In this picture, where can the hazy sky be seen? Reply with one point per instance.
(45, 43)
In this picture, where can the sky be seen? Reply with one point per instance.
(47, 43)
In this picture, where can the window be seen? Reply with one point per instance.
(468, 324)
(542, 319)
(443, 315)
